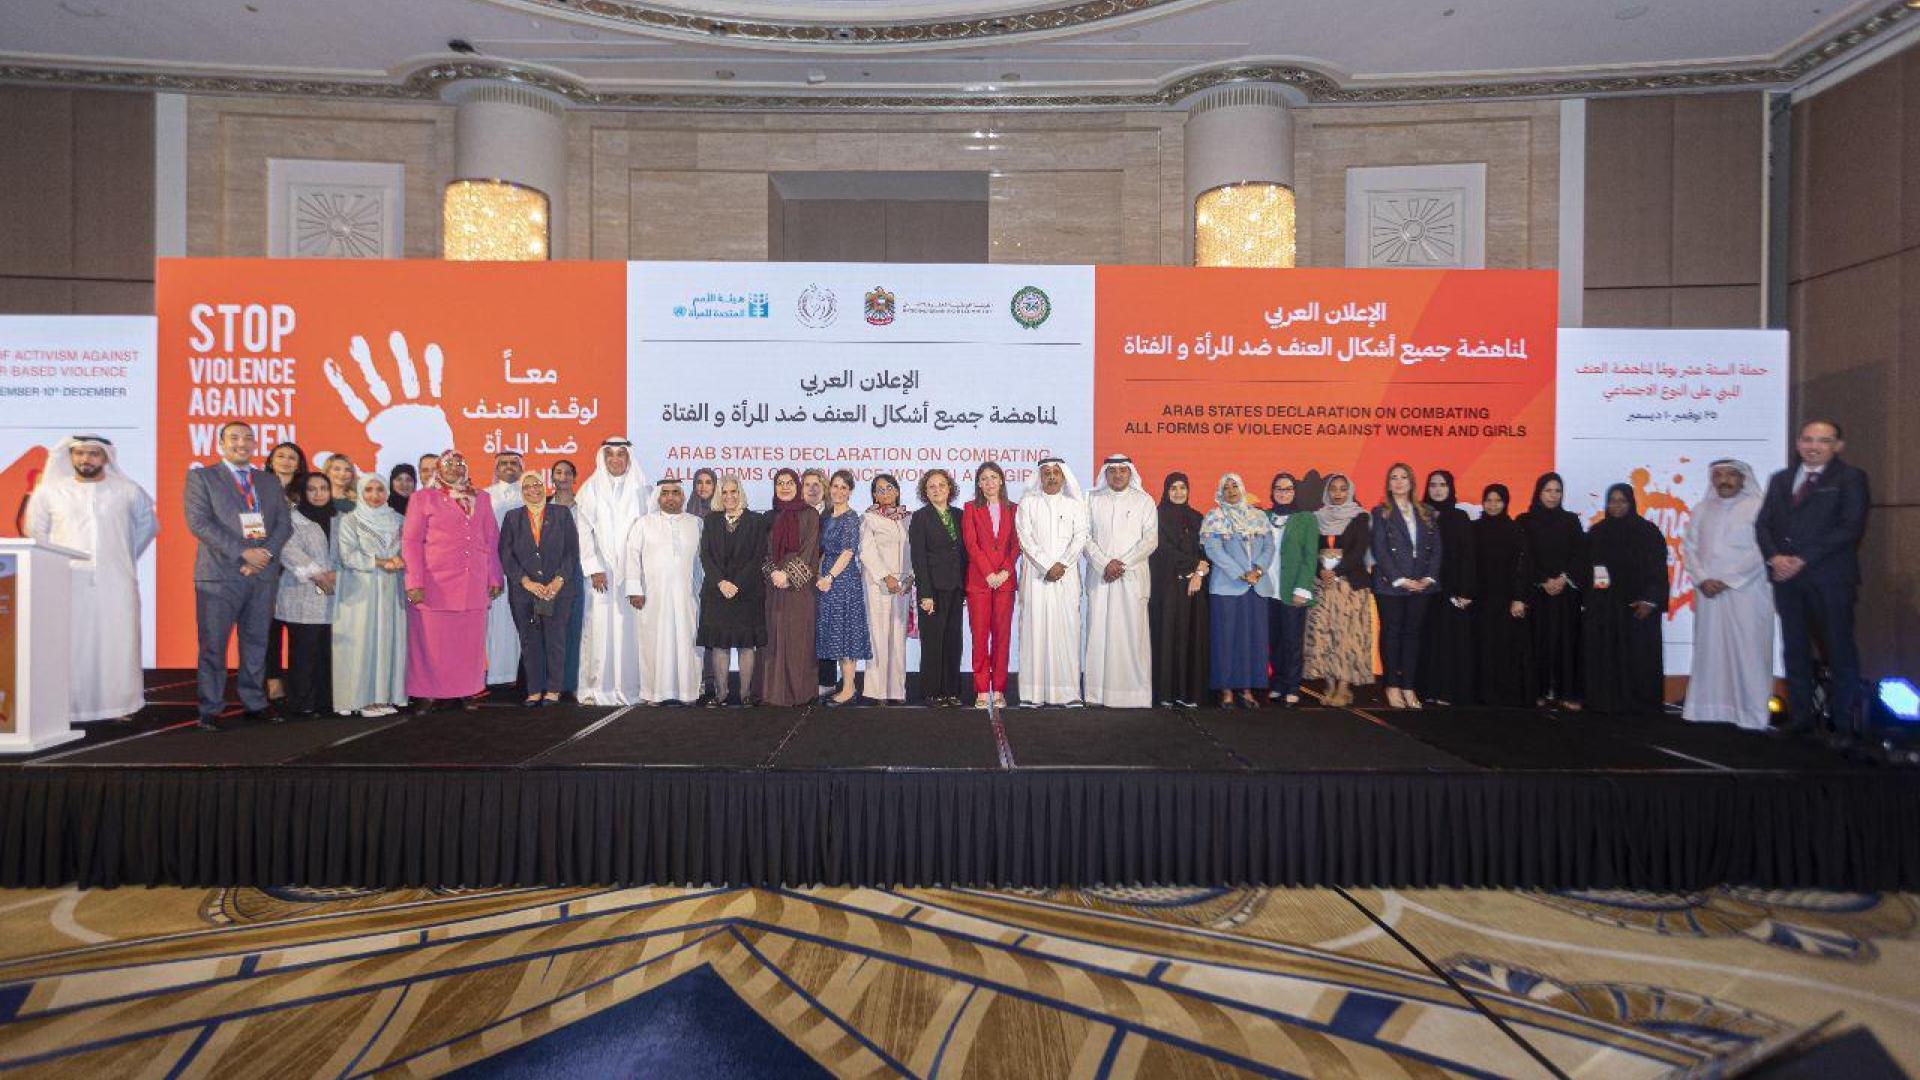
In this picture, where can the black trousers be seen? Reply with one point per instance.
(941, 635)
(309, 668)
(1822, 611)
(1400, 620)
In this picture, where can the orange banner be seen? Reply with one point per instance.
(1209, 371)
(383, 362)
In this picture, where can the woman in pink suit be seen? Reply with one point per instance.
(993, 554)
(451, 545)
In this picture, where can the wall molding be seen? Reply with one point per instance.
(1316, 86)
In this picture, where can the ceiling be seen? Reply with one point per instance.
(975, 48)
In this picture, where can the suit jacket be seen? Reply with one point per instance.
(453, 555)
(989, 552)
(1398, 554)
(213, 507)
(556, 554)
(1825, 529)
(939, 560)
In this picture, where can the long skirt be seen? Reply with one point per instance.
(1446, 652)
(787, 667)
(1179, 624)
(1340, 634)
(446, 652)
(1237, 632)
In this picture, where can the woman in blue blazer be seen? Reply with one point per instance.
(540, 559)
(1238, 542)
(1406, 564)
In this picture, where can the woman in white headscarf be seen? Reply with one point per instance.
(1239, 544)
(370, 619)
(1340, 623)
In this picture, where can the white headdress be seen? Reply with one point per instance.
(1133, 481)
(1068, 485)
(60, 460)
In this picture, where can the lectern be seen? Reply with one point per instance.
(36, 581)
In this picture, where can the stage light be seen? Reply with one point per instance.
(493, 221)
(1250, 224)
(1776, 705)
(1901, 699)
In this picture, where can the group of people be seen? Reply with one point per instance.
(366, 594)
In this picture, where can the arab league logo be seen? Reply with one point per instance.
(879, 306)
(1031, 307)
(817, 307)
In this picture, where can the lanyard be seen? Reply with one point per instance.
(244, 481)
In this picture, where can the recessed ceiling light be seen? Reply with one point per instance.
(1011, 76)
(1447, 14)
(723, 73)
(81, 10)
(1631, 11)
(815, 76)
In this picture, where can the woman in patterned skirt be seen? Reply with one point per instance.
(1340, 623)
(840, 626)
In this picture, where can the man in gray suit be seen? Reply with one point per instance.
(240, 517)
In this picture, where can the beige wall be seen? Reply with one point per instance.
(76, 202)
(1070, 188)
(1519, 141)
(1674, 210)
(230, 139)
(1854, 309)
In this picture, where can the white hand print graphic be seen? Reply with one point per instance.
(402, 431)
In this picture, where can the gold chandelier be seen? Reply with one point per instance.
(493, 221)
(1245, 224)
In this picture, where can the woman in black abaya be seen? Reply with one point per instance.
(1624, 576)
(1446, 643)
(1554, 545)
(1177, 606)
(1502, 644)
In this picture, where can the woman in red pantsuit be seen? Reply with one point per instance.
(993, 553)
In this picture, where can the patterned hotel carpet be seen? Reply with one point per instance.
(935, 983)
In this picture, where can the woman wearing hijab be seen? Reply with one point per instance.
(1502, 645)
(1553, 549)
(451, 545)
(288, 464)
(1238, 541)
(1177, 617)
(402, 482)
(885, 563)
(1446, 643)
(1290, 583)
(540, 561)
(1406, 570)
(787, 668)
(1624, 573)
(993, 562)
(1340, 623)
(700, 499)
(305, 600)
(370, 617)
(733, 594)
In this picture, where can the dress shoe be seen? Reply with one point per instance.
(207, 723)
(469, 704)
(264, 716)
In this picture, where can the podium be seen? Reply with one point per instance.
(36, 582)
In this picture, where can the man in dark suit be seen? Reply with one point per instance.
(1809, 530)
(239, 515)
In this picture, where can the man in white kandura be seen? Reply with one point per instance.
(84, 502)
(1051, 524)
(1123, 529)
(1733, 613)
(663, 585)
(604, 509)
(503, 641)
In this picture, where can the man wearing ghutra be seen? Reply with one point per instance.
(663, 584)
(86, 504)
(607, 505)
(1732, 676)
(1051, 525)
(1123, 529)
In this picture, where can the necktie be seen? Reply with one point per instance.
(244, 478)
(1806, 486)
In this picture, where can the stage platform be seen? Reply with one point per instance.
(1360, 796)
